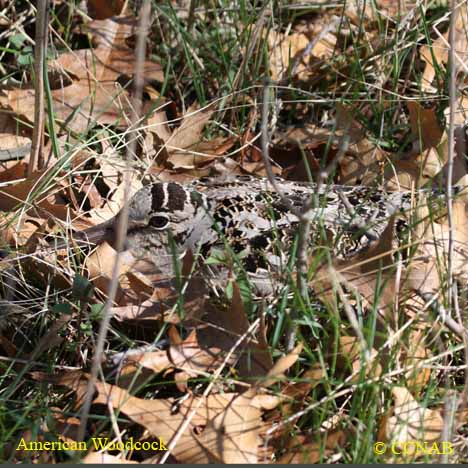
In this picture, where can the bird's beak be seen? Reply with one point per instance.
(103, 232)
(95, 235)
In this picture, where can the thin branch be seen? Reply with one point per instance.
(306, 214)
(451, 146)
(451, 285)
(175, 439)
(450, 410)
(265, 148)
(351, 315)
(140, 52)
(36, 158)
(329, 28)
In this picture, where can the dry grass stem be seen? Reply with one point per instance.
(37, 148)
(140, 53)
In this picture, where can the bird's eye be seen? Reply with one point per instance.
(159, 222)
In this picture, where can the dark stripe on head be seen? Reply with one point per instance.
(157, 200)
(177, 197)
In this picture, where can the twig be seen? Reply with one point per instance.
(305, 217)
(451, 146)
(140, 52)
(304, 227)
(36, 158)
(341, 389)
(306, 214)
(450, 409)
(330, 27)
(446, 319)
(207, 391)
(265, 148)
(451, 285)
(351, 315)
(191, 15)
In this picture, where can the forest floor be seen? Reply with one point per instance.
(99, 98)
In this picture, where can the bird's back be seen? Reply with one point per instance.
(249, 211)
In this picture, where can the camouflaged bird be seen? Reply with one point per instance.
(247, 217)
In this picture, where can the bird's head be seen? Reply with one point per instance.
(160, 215)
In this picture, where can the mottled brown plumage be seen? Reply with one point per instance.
(244, 217)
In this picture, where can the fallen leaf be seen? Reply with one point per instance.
(411, 422)
(351, 353)
(225, 327)
(224, 428)
(94, 95)
(360, 164)
(99, 458)
(102, 9)
(281, 365)
(367, 274)
(308, 381)
(191, 358)
(314, 451)
(436, 54)
(33, 189)
(112, 31)
(424, 125)
(417, 377)
(292, 50)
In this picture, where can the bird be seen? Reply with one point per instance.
(252, 221)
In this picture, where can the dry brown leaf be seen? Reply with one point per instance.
(289, 50)
(191, 358)
(81, 104)
(461, 111)
(13, 146)
(183, 148)
(101, 9)
(417, 378)
(438, 50)
(309, 380)
(15, 141)
(165, 294)
(94, 94)
(240, 422)
(191, 127)
(351, 352)
(114, 205)
(98, 458)
(146, 311)
(361, 163)
(112, 31)
(428, 157)
(12, 170)
(18, 232)
(281, 366)
(134, 287)
(158, 124)
(434, 247)
(199, 155)
(308, 136)
(157, 361)
(100, 265)
(411, 422)
(365, 274)
(66, 427)
(313, 451)
(74, 380)
(224, 428)
(223, 330)
(15, 194)
(424, 125)
(285, 49)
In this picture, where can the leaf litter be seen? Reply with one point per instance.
(260, 394)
